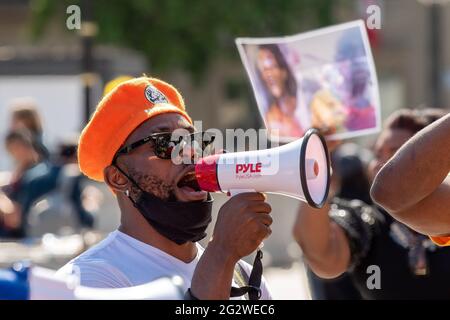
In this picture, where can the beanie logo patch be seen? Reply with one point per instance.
(154, 95)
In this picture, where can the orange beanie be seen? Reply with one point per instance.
(121, 111)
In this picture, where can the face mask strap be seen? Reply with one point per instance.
(127, 192)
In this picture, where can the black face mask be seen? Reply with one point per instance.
(178, 221)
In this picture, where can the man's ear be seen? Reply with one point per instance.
(115, 179)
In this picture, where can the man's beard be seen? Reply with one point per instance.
(177, 221)
(151, 184)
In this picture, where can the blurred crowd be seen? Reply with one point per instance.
(44, 191)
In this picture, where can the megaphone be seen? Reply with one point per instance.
(300, 169)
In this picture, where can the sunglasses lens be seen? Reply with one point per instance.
(208, 144)
(164, 146)
(200, 142)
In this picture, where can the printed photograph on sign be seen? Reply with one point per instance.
(324, 79)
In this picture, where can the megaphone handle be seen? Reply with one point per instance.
(234, 192)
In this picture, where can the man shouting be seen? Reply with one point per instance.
(128, 144)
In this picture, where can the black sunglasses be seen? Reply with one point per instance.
(164, 144)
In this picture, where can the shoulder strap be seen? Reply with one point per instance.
(252, 288)
(241, 277)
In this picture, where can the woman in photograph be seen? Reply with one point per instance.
(281, 89)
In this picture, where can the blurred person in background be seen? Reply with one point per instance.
(350, 180)
(25, 116)
(128, 145)
(63, 189)
(414, 185)
(431, 114)
(350, 163)
(351, 235)
(28, 166)
(68, 164)
(59, 183)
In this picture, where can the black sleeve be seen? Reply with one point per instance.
(360, 223)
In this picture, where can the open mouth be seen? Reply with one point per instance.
(188, 189)
(189, 181)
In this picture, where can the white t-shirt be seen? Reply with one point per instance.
(122, 261)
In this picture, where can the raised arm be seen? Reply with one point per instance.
(412, 185)
(323, 242)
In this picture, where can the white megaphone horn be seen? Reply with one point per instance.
(300, 169)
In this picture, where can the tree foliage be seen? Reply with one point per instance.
(188, 34)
